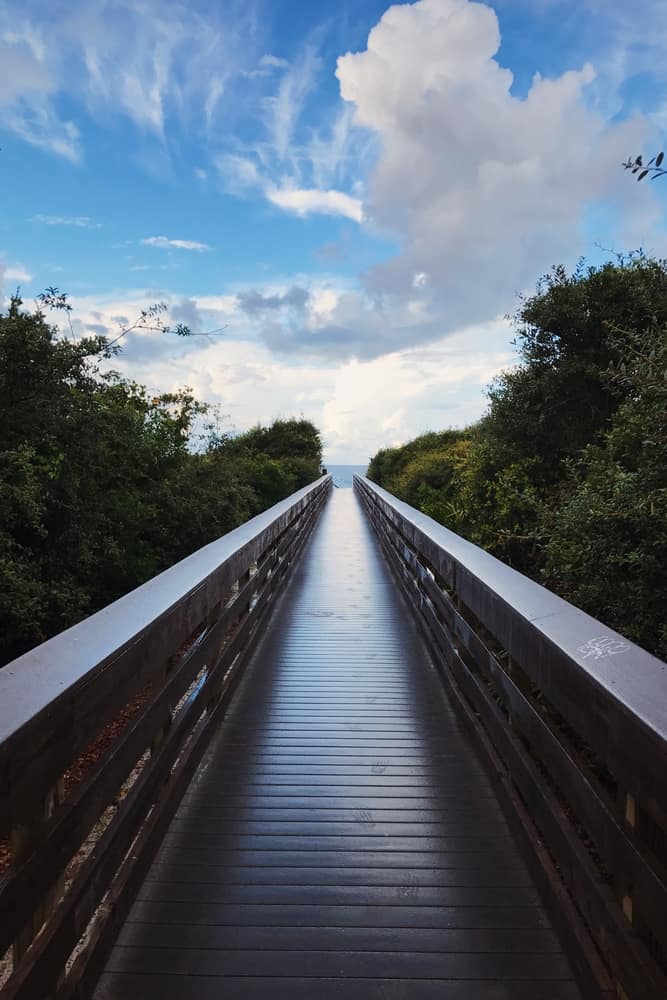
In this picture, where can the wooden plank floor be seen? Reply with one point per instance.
(340, 839)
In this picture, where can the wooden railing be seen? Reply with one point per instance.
(573, 719)
(85, 800)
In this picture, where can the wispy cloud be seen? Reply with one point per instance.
(154, 64)
(304, 158)
(164, 243)
(306, 201)
(276, 62)
(151, 267)
(266, 67)
(27, 82)
(172, 69)
(286, 106)
(80, 221)
(241, 175)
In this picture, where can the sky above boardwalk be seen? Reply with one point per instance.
(355, 192)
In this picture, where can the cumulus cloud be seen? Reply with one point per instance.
(351, 325)
(388, 400)
(483, 189)
(359, 405)
(164, 243)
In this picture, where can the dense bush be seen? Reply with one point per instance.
(103, 485)
(607, 540)
(565, 477)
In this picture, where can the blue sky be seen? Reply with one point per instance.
(355, 192)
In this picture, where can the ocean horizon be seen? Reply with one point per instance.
(343, 475)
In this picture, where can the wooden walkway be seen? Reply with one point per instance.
(340, 839)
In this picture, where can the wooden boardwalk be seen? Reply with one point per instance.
(341, 838)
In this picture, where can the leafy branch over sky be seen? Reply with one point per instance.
(654, 166)
(152, 318)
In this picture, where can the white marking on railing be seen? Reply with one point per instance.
(602, 646)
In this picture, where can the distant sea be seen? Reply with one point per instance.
(342, 474)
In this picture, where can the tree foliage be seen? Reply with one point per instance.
(607, 540)
(103, 485)
(565, 477)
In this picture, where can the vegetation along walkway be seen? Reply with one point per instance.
(340, 838)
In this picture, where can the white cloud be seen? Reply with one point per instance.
(164, 243)
(10, 277)
(307, 201)
(152, 63)
(170, 69)
(80, 221)
(275, 62)
(285, 107)
(483, 189)
(17, 274)
(335, 152)
(27, 82)
(391, 399)
(359, 405)
(151, 267)
(40, 127)
(241, 175)
(297, 167)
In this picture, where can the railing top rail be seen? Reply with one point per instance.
(632, 677)
(30, 684)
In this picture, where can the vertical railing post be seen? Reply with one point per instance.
(25, 836)
(162, 731)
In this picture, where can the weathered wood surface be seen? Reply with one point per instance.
(576, 718)
(341, 838)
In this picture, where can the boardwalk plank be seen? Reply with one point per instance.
(470, 875)
(371, 939)
(319, 915)
(164, 987)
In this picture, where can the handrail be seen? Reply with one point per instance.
(573, 713)
(163, 660)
